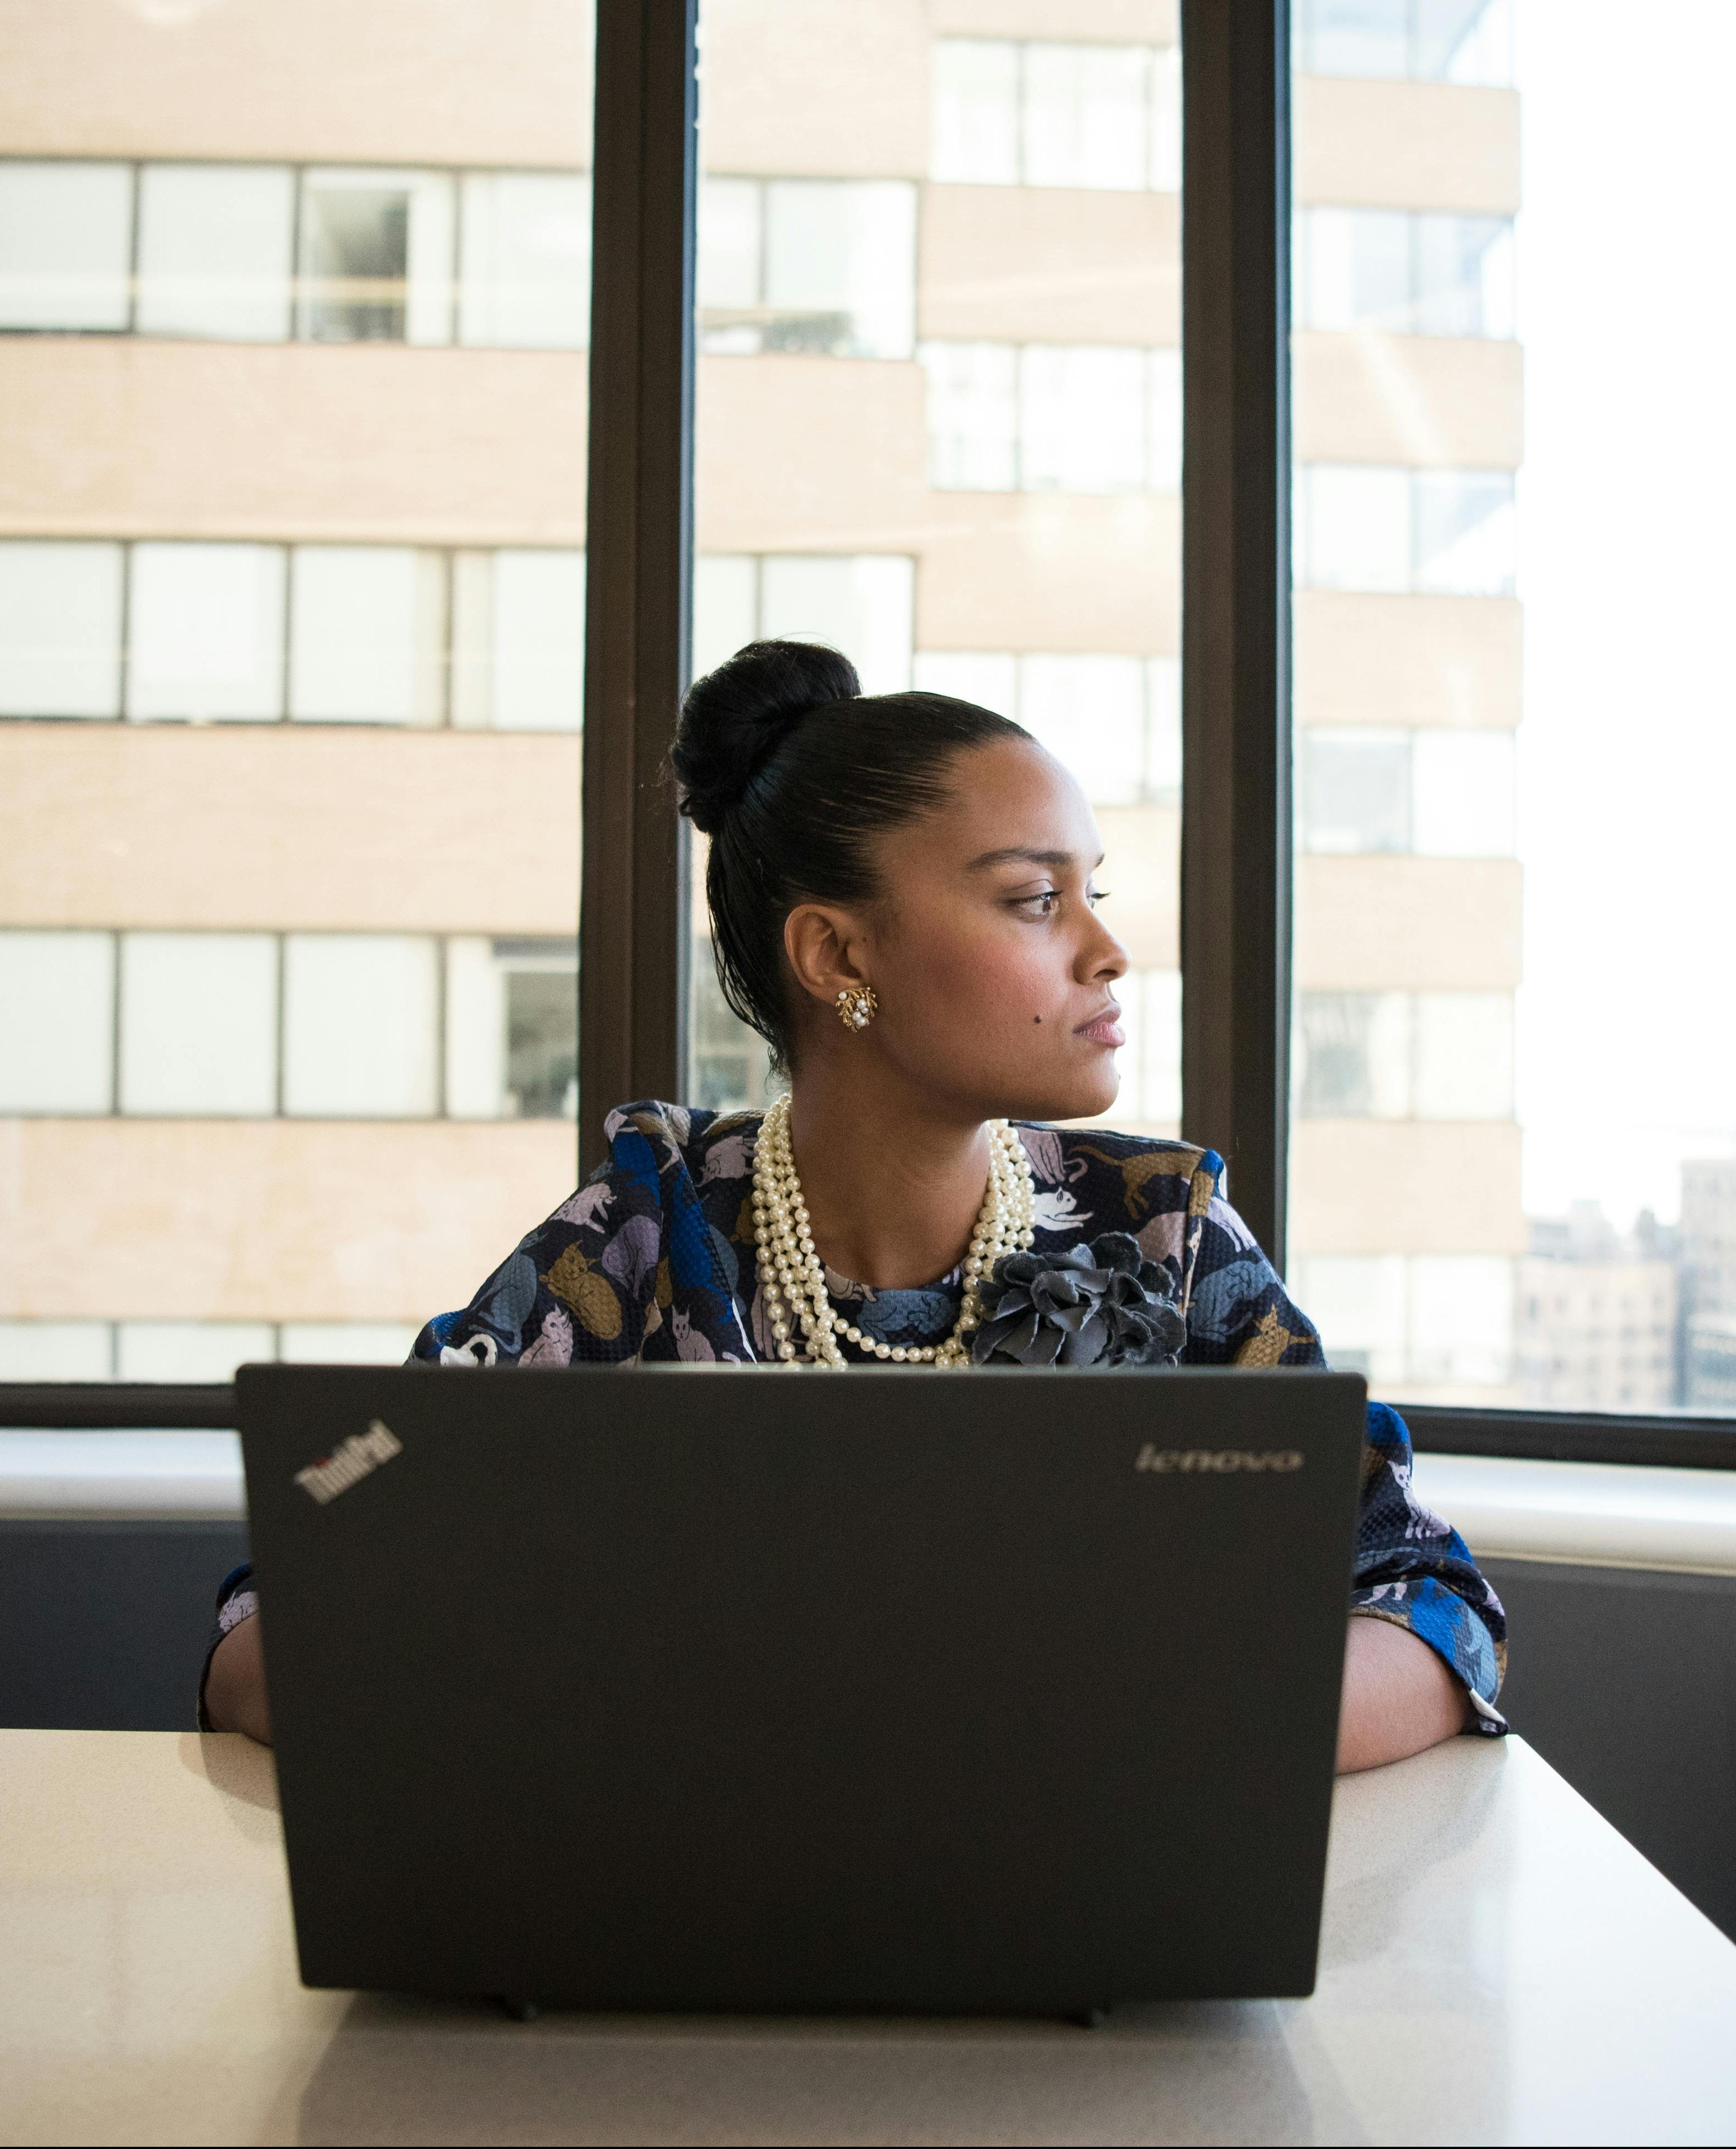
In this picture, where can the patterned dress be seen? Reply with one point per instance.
(654, 1258)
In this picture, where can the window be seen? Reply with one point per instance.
(1443, 1323)
(862, 604)
(1405, 1055)
(526, 256)
(199, 1025)
(1115, 721)
(57, 1043)
(1438, 793)
(60, 630)
(1379, 529)
(1404, 272)
(361, 1015)
(205, 632)
(1052, 418)
(1045, 114)
(66, 236)
(365, 634)
(376, 257)
(512, 1012)
(518, 640)
(826, 267)
(214, 251)
(1461, 40)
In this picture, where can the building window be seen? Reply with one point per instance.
(57, 1043)
(1007, 112)
(1443, 1056)
(376, 257)
(365, 628)
(371, 1025)
(1088, 417)
(1371, 527)
(214, 250)
(824, 267)
(66, 245)
(513, 1029)
(1422, 1321)
(383, 255)
(526, 253)
(1461, 40)
(1445, 794)
(205, 632)
(361, 1019)
(1403, 272)
(199, 1016)
(193, 1351)
(323, 634)
(1114, 721)
(862, 603)
(60, 630)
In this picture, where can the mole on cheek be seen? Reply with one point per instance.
(1036, 1017)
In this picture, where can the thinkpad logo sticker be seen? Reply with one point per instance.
(358, 1458)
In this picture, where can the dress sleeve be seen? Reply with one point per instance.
(1415, 1570)
(585, 1284)
(1411, 1567)
(237, 1599)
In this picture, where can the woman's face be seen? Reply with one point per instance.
(994, 976)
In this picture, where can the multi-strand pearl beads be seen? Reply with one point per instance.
(793, 1276)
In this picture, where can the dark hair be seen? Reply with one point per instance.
(791, 771)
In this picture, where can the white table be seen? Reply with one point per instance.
(1498, 1965)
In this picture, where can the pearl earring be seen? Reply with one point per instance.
(857, 1006)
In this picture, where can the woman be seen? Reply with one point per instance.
(903, 904)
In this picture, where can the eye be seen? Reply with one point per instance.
(1093, 896)
(1040, 905)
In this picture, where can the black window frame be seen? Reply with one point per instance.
(1236, 847)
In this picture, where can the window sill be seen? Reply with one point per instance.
(1596, 1514)
(121, 1477)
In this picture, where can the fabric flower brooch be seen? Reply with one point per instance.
(1102, 1304)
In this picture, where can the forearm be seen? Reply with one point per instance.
(1399, 1697)
(235, 1684)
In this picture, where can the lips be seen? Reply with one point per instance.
(1104, 1029)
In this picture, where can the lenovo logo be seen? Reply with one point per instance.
(358, 1458)
(1205, 1459)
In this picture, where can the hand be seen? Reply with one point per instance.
(1399, 1697)
(235, 1685)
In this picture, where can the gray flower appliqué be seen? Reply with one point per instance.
(1102, 1304)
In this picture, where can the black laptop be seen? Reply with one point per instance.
(686, 1687)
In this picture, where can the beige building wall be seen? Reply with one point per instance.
(1422, 663)
(1407, 145)
(381, 82)
(275, 1220)
(131, 437)
(1039, 264)
(1399, 925)
(283, 827)
(1432, 402)
(1387, 1186)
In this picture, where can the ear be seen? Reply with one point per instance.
(825, 947)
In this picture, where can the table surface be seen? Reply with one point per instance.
(1497, 1964)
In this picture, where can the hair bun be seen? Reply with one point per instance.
(737, 716)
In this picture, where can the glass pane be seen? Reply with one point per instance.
(291, 670)
(1513, 1163)
(939, 414)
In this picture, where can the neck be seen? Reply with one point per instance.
(892, 1188)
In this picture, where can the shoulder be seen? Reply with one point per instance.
(686, 1140)
(1147, 1175)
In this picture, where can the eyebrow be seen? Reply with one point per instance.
(1019, 854)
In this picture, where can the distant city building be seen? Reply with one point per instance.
(1600, 1315)
(1708, 1263)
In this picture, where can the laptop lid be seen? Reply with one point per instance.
(699, 1688)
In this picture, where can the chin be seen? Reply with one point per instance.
(1078, 1095)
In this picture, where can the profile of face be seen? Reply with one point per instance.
(995, 976)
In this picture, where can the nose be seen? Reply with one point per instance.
(1102, 958)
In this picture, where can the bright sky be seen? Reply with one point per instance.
(1627, 269)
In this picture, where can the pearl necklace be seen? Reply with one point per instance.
(793, 1276)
